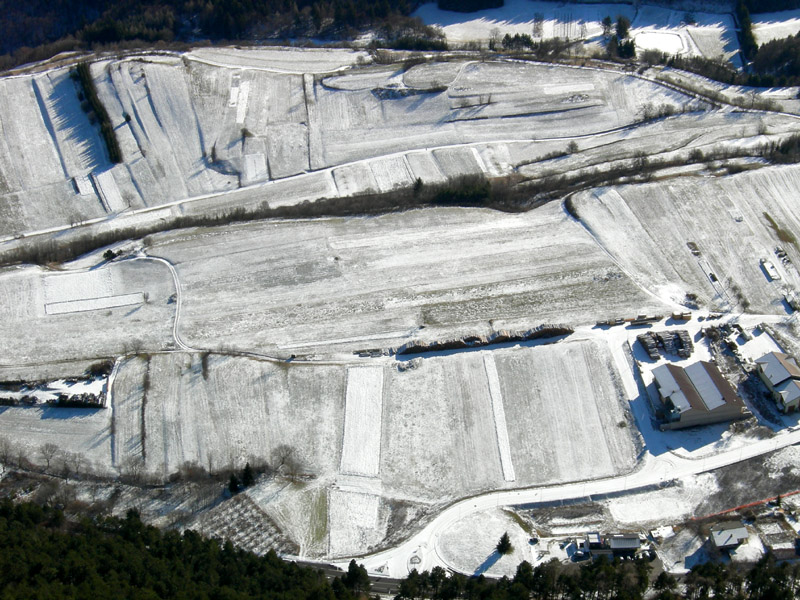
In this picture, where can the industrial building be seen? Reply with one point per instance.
(696, 395)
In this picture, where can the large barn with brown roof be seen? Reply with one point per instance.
(696, 395)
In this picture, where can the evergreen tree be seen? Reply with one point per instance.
(248, 478)
(356, 578)
(233, 484)
(504, 545)
(623, 27)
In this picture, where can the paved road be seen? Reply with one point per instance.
(380, 585)
(655, 470)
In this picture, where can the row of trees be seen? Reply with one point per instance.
(612, 580)
(95, 107)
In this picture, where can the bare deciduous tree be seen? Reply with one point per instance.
(132, 468)
(286, 461)
(5, 451)
(48, 451)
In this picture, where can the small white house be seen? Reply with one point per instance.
(781, 374)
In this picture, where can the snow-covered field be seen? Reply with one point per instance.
(469, 545)
(128, 412)
(353, 519)
(78, 286)
(364, 444)
(670, 505)
(555, 429)
(350, 284)
(281, 60)
(436, 437)
(34, 335)
(674, 31)
(195, 128)
(241, 410)
(544, 419)
(775, 26)
(361, 449)
(499, 414)
(45, 141)
(649, 228)
(86, 432)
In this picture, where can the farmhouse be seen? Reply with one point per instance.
(728, 537)
(781, 374)
(696, 395)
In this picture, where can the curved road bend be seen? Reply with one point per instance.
(655, 470)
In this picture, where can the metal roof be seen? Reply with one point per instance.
(701, 380)
(623, 542)
(699, 386)
(669, 388)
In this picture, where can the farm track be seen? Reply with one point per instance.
(178, 298)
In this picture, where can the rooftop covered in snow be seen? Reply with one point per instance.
(696, 395)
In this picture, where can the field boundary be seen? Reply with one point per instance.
(499, 413)
(87, 304)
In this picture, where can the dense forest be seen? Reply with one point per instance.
(45, 555)
(38, 29)
(468, 5)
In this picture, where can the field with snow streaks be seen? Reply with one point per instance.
(457, 162)
(564, 405)
(127, 409)
(434, 439)
(237, 410)
(354, 179)
(390, 173)
(361, 449)
(730, 220)
(354, 523)
(194, 126)
(376, 281)
(86, 432)
(424, 167)
(45, 140)
(452, 451)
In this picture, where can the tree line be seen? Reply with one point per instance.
(45, 555)
(38, 29)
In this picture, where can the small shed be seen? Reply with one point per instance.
(623, 544)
